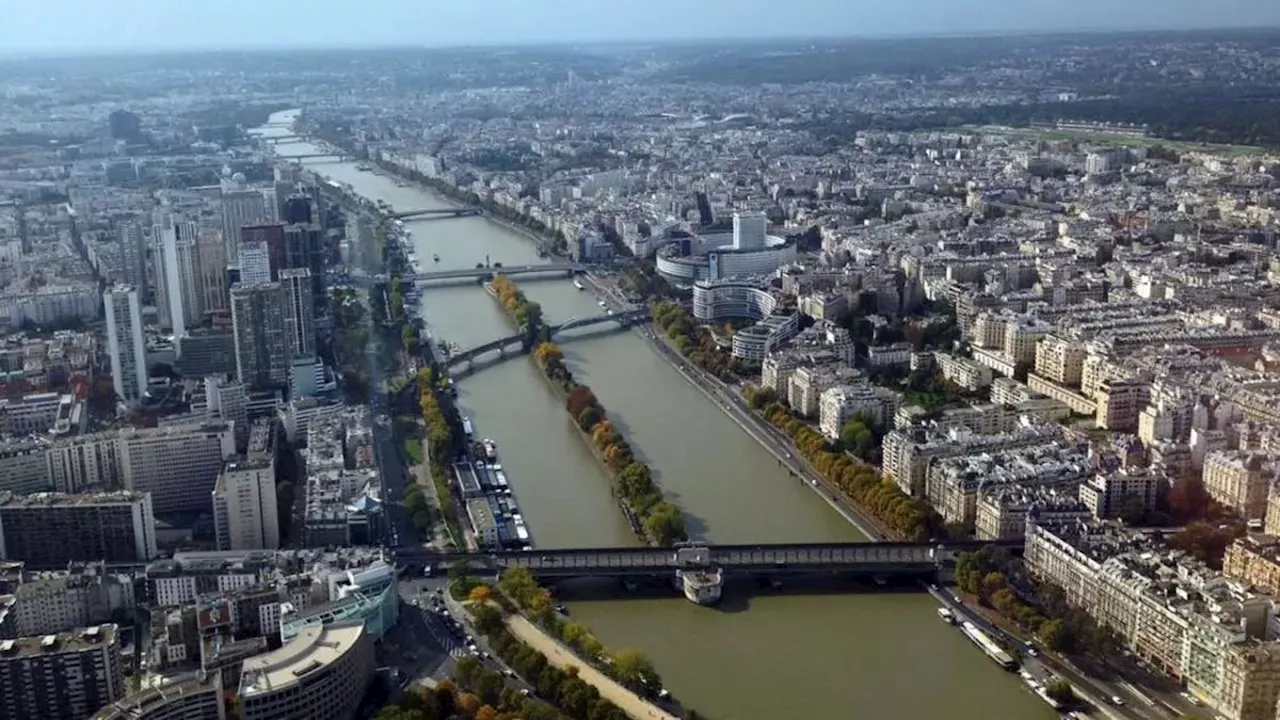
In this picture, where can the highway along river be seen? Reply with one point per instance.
(849, 655)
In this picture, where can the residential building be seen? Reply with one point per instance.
(177, 465)
(1241, 480)
(23, 465)
(211, 258)
(1127, 492)
(260, 319)
(255, 263)
(126, 343)
(67, 676)
(841, 403)
(244, 506)
(49, 530)
(300, 318)
(241, 208)
(1255, 560)
(964, 372)
(1060, 360)
(304, 249)
(177, 275)
(806, 385)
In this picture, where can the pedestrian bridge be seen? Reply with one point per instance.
(516, 342)
(871, 558)
(487, 273)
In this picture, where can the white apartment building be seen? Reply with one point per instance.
(1060, 360)
(177, 276)
(244, 506)
(50, 304)
(178, 465)
(240, 208)
(841, 403)
(85, 463)
(962, 371)
(126, 343)
(22, 465)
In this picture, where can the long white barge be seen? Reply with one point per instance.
(988, 646)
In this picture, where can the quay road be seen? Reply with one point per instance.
(730, 401)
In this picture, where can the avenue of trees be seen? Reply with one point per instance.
(661, 521)
(1040, 610)
(631, 668)
(912, 518)
(526, 313)
(490, 700)
(694, 342)
(440, 441)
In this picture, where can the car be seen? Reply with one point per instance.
(562, 609)
(524, 692)
(1117, 700)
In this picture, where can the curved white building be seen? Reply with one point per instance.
(321, 674)
(746, 251)
(715, 300)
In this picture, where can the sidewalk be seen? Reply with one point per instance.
(561, 657)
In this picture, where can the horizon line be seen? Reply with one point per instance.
(131, 52)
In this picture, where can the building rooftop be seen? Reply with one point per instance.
(313, 648)
(53, 499)
(66, 642)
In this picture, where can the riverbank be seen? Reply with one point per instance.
(564, 658)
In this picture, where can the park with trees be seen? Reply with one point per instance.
(693, 341)
(659, 521)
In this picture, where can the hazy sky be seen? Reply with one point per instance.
(70, 25)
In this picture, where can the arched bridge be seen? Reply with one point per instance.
(274, 139)
(879, 558)
(484, 273)
(516, 343)
(438, 212)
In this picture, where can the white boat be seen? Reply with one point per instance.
(988, 646)
(600, 303)
(702, 587)
(490, 449)
(947, 616)
(578, 284)
(466, 427)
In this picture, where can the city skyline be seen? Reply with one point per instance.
(77, 26)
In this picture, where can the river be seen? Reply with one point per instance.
(851, 655)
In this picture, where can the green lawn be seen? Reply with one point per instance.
(413, 450)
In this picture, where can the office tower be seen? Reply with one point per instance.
(240, 208)
(300, 318)
(304, 248)
(211, 256)
(124, 126)
(125, 343)
(272, 235)
(244, 506)
(255, 263)
(49, 530)
(68, 676)
(133, 255)
(229, 400)
(86, 463)
(749, 230)
(178, 297)
(177, 464)
(258, 315)
(297, 210)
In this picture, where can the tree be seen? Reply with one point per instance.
(665, 524)
(1053, 633)
(589, 418)
(1061, 691)
(519, 584)
(635, 670)
(580, 398)
(480, 594)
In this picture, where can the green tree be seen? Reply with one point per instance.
(1055, 636)
(665, 524)
(636, 671)
(588, 418)
(1061, 691)
(518, 583)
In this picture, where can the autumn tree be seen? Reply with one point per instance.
(480, 594)
(578, 399)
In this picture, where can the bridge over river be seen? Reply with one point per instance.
(487, 273)
(760, 561)
(516, 342)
